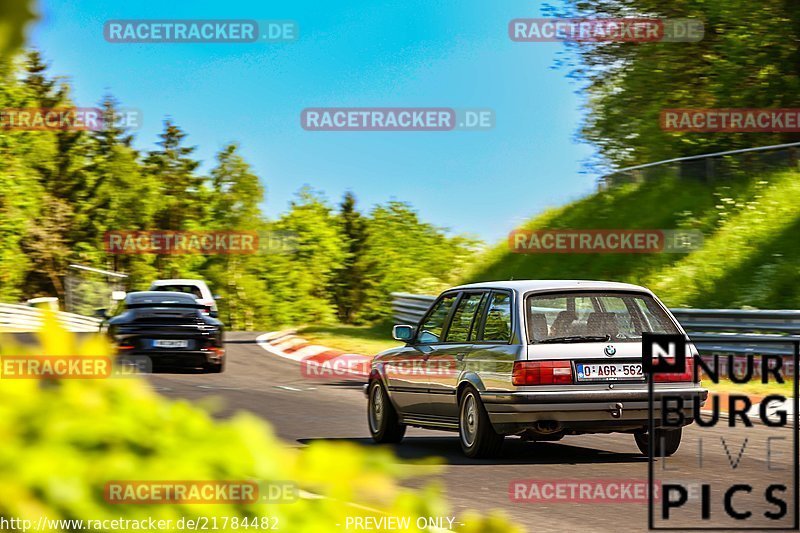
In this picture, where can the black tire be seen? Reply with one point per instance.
(215, 368)
(384, 424)
(475, 432)
(667, 442)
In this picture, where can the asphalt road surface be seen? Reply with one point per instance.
(303, 410)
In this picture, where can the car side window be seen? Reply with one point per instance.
(475, 334)
(655, 317)
(497, 326)
(462, 323)
(431, 330)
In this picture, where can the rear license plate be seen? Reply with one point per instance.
(609, 371)
(170, 343)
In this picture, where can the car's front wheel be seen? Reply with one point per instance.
(478, 437)
(384, 424)
(667, 442)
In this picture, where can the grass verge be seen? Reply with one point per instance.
(366, 340)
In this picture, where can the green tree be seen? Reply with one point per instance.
(180, 188)
(236, 197)
(747, 58)
(237, 192)
(348, 283)
(57, 160)
(20, 194)
(122, 197)
(301, 278)
(183, 195)
(62, 191)
(15, 15)
(404, 254)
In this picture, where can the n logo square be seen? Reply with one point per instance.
(663, 353)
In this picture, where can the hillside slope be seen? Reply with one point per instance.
(750, 256)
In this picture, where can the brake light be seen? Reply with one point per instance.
(675, 377)
(219, 350)
(125, 347)
(542, 373)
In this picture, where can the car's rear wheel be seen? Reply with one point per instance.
(667, 442)
(384, 424)
(478, 437)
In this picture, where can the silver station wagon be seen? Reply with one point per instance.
(535, 359)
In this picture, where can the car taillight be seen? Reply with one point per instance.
(542, 373)
(675, 377)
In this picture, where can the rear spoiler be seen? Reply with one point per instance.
(166, 304)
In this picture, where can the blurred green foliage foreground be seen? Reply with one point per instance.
(64, 440)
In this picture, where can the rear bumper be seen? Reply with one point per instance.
(590, 410)
(183, 358)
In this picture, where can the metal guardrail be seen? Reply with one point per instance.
(755, 331)
(409, 308)
(745, 161)
(711, 330)
(22, 318)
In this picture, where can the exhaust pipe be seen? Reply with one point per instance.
(547, 427)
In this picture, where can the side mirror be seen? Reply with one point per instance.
(117, 296)
(402, 332)
(101, 313)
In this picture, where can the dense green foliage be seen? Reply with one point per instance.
(748, 58)
(14, 16)
(749, 257)
(61, 191)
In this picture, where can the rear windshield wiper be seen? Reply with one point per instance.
(576, 338)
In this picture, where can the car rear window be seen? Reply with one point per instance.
(188, 289)
(620, 316)
(153, 299)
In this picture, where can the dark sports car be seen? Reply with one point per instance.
(169, 329)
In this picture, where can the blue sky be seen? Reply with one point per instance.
(404, 53)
